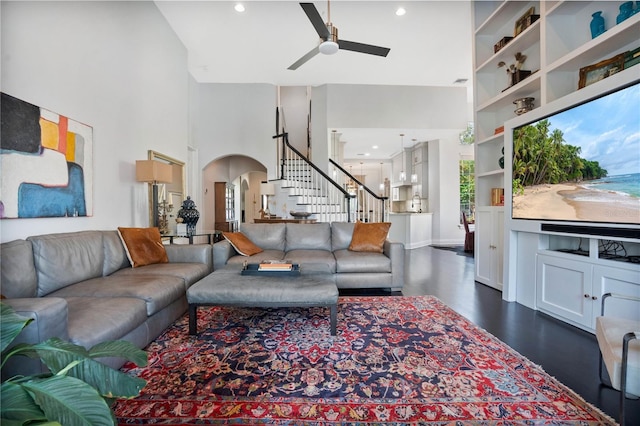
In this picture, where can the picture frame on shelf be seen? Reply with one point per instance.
(525, 21)
(601, 70)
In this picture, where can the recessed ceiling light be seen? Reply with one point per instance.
(375, 147)
(239, 7)
(366, 154)
(400, 11)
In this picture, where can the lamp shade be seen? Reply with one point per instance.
(267, 189)
(153, 171)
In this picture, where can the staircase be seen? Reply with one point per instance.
(339, 198)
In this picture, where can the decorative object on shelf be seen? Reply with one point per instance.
(523, 105)
(603, 69)
(502, 43)
(497, 196)
(501, 159)
(189, 214)
(632, 57)
(626, 10)
(298, 215)
(597, 24)
(498, 130)
(514, 72)
(525, 21)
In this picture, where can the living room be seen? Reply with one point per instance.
(121, 69)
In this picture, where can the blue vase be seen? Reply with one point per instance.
(626, 10)
(597, 24)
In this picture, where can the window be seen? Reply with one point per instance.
(467, 188)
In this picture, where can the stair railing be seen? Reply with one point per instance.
(370, 207)
(320, 194)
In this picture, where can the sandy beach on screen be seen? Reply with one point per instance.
(574, 202)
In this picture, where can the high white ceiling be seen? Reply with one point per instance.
(430, 46)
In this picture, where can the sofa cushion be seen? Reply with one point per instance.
(189, 272)
(266, 235)
(369, 237)
(143, 246)
(257, 258)
(241, 243)
(18, 273)
(302, 236)
(98, 319)
(313, 260)
(115, 256)
(361, 261)
(67, 258)
(157, 291)
(341, 233)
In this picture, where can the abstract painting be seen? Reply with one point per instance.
(46, 163)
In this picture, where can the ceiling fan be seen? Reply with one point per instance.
(329, 35)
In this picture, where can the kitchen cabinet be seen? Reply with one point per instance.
(411, 229)
(400, 193)
(420, 166)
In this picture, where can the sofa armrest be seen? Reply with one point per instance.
(395, 251)
(190, 253)
(49, 316)
(222, 252)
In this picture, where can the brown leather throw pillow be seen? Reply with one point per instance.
(143, 246)
(369, 237)
(241, 243)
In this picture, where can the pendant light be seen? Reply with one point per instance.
(381, 181)
(403, 175)
(414, 175)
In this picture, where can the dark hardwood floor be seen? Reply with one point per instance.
(565, 352)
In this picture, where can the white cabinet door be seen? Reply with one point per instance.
(607, 279)
(489, 246)
(563, 288)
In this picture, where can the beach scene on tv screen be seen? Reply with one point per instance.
(581, 164)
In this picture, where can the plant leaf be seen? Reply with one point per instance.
(10, 326)
(58, 355)
(122, 349)
(70, 401)
(17, 405)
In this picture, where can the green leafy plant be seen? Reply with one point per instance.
(78, 390)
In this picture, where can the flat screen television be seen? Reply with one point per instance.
(577, 169)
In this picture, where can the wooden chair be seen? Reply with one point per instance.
(618, 351)
(469, 236)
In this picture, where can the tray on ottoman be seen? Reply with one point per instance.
(254, 269)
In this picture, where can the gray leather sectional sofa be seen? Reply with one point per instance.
(322, 246)
(81, 287)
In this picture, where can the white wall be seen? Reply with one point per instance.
(115, 66)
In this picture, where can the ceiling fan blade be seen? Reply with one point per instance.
(363, 48)
(316, 20)
(313, 52)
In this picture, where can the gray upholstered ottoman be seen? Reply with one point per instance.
(227, 287)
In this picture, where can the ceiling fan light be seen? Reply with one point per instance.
(329, 47)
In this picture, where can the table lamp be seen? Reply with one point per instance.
(153, 172)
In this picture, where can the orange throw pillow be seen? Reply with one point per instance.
(369, 237)
(143, 246)
(241, 243)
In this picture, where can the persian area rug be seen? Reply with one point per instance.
(395, 360)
